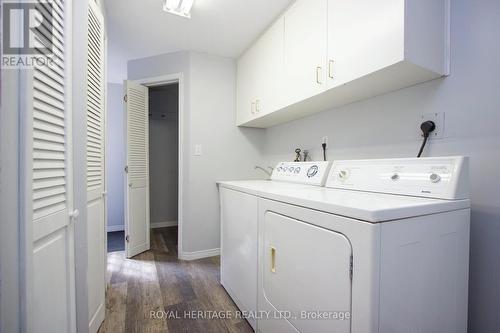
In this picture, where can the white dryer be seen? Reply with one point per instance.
(383, 248)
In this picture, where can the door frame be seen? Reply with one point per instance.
(160, 81)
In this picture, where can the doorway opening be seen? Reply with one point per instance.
(115, 163)
(162, 151)
(164, 156)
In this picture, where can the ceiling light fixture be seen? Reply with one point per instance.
(178, 7)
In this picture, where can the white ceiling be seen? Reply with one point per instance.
(140, 28)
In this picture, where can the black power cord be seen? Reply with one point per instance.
(324, 150)
(427, 127)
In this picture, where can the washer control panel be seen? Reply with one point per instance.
(310, 173)
(432, 177)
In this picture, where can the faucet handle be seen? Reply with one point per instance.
(264, 170)
(297, 156)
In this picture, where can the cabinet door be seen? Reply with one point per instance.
(269, 69)
(305, 49)
(363, 37)
(246, 83)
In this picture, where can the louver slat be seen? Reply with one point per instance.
(137, 135)
(49, 128)
(95, 104)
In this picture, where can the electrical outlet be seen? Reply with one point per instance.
(197, 150)
(439, 119)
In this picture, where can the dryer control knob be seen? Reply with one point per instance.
(312, 171)
(342, 175)
(395, 177)
(435, 178)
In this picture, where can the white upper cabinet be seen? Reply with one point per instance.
(328, 53)
(260, 76)
(363, 37)
(245, 87)
(269, 71)
(305, 50)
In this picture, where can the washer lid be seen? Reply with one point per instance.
(360, 205)
(365, 206)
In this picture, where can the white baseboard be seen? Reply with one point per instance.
(199, 254)
(97, 319)
(166, 224)
(111, 228)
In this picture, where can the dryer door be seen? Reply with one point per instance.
(306, 276)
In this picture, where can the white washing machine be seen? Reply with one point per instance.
(239, 222)
(384, 248)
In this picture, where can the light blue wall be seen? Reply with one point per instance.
(115, 157)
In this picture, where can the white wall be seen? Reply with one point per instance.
(387, 126)
(115, 157)
(163, 153)
(229, 152)
(116, 68)
(209, 117)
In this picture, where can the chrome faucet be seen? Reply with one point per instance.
(269, 173)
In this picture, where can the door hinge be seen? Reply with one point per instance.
(126, 169)
(125, 98)
(127, 238)
(351, 267)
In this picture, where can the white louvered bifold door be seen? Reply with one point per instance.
(96, 228)
(137, 139)
(49, 248)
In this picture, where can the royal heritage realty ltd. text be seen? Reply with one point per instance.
(209, 314)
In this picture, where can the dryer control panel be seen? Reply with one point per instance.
(310, 173)
(431, 177)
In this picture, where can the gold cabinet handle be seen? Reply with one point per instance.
(330, 69)
(318, 74)
(273, 259)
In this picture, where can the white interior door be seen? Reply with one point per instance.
(96, 268)
(137, 169)
(49, 304)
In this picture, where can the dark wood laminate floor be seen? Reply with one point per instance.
(157, 281)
